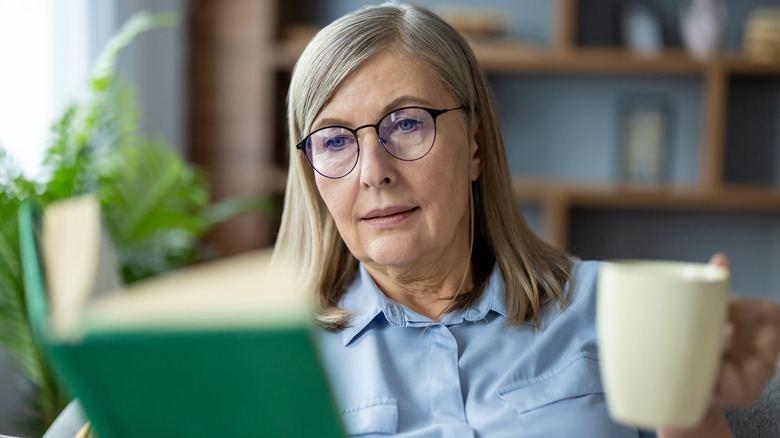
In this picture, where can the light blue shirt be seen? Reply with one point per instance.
(396, 372)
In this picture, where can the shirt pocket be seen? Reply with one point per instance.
(579, 377)
(377, 417)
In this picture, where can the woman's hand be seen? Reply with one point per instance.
(751, 346)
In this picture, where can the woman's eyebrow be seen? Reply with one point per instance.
(324, 123)
(404, 101)
(392, 105)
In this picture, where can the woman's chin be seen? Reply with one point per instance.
(393, 255)
(391, 261)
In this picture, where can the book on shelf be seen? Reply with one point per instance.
(224, 348)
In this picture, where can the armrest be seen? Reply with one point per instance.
(69, 423)
(762, 419)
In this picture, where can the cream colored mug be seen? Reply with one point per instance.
(660, 327)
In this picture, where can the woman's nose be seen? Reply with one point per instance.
(376, 166)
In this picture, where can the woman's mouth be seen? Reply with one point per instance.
(388, 216)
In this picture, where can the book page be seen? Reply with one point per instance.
(78, 258)
(238, 291)
(80, 264)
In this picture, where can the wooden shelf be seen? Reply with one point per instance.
(741, 198)
(508, 56)
(741, 64)
(557, 198)
(512, 58)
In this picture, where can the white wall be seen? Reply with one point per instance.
(156, 65)
(43, 59)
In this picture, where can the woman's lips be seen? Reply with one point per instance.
(388, 217)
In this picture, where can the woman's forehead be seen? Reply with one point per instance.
(384, 82)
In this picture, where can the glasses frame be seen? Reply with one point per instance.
(435, 113)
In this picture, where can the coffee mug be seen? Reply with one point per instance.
(660, 327)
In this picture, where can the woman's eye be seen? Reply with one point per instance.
(336, 142)
(407, 124)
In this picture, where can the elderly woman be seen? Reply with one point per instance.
(442, 314)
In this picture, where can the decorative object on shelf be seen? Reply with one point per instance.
(475, 22)
(762, 34)
(702, 26)
(644, 125)
(641, 28)
(487, 31)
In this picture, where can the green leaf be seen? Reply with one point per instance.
(105, 68)
(234, 206)
(154, 205)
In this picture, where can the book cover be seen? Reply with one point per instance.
(221, 349)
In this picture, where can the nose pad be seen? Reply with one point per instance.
(367, 139)
(382, 141)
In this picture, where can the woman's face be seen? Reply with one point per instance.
(401, 214)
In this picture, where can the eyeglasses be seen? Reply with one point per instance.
(407, 134)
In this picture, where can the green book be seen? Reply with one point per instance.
(223, 349)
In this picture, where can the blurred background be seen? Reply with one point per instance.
(634, 129)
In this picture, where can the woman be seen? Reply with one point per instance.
(442, 313)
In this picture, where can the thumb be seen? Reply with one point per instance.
(719, 259)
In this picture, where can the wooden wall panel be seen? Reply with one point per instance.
(231, 120)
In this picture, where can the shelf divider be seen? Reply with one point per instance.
(715, 101)
(565, 26)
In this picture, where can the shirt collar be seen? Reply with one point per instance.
(492, 299)
(365, 302)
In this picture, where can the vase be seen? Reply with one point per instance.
(702, 26)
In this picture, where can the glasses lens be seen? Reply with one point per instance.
(332, 152)
(408, 133)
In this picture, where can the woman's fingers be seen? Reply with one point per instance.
(719, 259)
(751, 351)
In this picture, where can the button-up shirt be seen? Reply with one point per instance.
(396, 372)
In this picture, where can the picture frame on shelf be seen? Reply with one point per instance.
(644, 149)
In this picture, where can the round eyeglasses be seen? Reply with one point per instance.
(407, 134)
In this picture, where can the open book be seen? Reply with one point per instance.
(220, 349)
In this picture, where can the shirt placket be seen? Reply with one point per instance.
(446, 395)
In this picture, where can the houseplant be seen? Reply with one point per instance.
(156, 205)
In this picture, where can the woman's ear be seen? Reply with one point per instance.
(475, 150)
